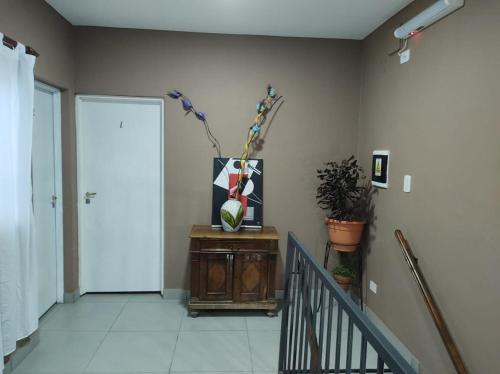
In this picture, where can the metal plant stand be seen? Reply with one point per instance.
(328, 248)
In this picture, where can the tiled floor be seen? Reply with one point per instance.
(146, 334)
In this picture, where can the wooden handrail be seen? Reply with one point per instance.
(448, 341)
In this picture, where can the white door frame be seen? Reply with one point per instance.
(102, 98)
(56, 95)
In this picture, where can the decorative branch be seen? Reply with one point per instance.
(263, 108)
(188, 106)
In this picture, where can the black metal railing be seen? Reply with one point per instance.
(323, 330)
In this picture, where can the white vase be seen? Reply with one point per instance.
(231, 215)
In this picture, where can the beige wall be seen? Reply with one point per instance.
(225, 76)
(34, 23)
(439, 116)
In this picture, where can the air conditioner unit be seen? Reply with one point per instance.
(430, 15)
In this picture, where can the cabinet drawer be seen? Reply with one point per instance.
(234, 245)
(252, 257)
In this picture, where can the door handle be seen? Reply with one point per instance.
(53, 201)
(88, 196)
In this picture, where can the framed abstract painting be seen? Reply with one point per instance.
(225, 179)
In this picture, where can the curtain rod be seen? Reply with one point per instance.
(11, 43)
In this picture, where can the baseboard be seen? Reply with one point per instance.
(21, 352)
(71, 297)
(393, 339)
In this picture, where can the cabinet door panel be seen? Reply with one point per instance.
(216, 276)
(250, 281)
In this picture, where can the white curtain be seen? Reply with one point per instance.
(18, 287)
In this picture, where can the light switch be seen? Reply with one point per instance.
(407, 183)
(373, 286)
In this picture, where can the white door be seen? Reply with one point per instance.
(46, 192)
(120, 192)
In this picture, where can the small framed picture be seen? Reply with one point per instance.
(380, 169)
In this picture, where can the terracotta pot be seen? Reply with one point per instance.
(345, 235)
(343, 281)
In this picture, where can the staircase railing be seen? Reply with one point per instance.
(323, 330)
(436, 314)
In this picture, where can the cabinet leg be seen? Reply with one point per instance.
(194, 313)
(272, 313)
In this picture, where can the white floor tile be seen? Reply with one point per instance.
(146, 298)
(214, 322)
(212, 351)
(150, 317)
(149, 334)
(18, 371)
(264, 322)
(264, 346)
(134, 352)
(61, 351)
(48, 315)
(83, 317)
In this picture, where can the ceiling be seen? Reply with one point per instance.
(343, 19)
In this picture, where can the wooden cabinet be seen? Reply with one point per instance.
(233, 270)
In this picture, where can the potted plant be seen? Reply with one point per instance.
(346, 198)
(344, 273)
